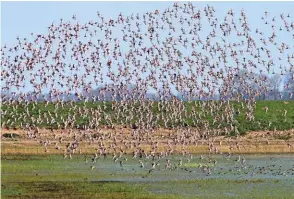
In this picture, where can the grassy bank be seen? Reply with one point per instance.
(274, 119)
(246, 147)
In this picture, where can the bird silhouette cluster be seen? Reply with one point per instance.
(141, 72)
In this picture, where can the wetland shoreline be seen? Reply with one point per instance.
(262, 142)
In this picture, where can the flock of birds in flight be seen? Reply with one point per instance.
(181, 50)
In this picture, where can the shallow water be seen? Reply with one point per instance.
(268, 175)
(255, 166)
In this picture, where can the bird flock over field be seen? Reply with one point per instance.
(116, 63)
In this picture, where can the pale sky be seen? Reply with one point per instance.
(21, 18)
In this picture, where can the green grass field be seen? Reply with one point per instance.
(53, 177)
(275, 115)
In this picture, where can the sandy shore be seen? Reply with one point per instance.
(253, 142)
